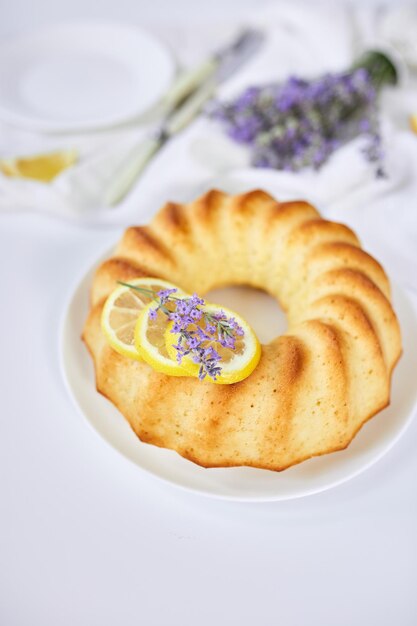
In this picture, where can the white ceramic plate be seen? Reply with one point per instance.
(245, 484)
(81, 76)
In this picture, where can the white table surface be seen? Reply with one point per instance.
(86, 539)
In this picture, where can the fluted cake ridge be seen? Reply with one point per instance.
(314, 387)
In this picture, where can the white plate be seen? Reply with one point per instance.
(81, 76)
(245, 484)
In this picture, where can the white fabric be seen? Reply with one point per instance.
(304, 40)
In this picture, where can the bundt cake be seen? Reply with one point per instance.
(314, 387)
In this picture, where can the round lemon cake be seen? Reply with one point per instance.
(314, 386)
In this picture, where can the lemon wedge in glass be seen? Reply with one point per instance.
(41, 167)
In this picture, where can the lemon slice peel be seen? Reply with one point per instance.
(121, 311)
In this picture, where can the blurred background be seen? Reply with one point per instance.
(23, 14)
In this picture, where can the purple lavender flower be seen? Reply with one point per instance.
(227, 342)
(196, 314)
(195, 300)
(202, 335)
(165, 293)
(182, 307)
(195, 340)
(208, 359)
(300, 123)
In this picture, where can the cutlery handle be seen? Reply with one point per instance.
(187, 82)
(191, 107)
(141, 154)
(130, 169)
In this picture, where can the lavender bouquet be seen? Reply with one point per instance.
(300, 123)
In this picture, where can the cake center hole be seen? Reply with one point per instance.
(257, 307)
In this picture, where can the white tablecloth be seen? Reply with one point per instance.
(86, 538)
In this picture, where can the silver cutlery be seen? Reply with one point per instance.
(181, 105)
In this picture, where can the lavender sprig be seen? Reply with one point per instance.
(199, 331)
(300, 123)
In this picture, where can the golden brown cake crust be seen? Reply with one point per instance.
(314, 387)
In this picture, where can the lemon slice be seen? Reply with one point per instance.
(121, 311)
(43, 167)
(413, 122)
(237, 364)
(150, 342)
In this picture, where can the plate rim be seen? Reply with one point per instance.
(75, 287)
(38, 124)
